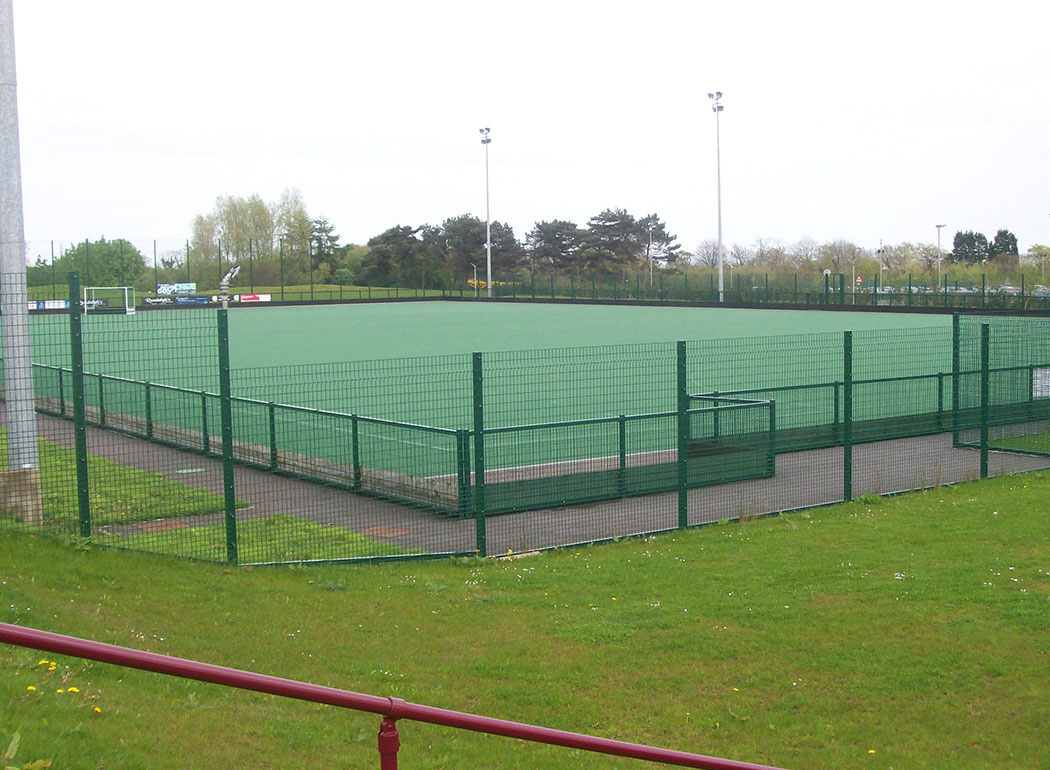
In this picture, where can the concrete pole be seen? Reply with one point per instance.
(21, 481)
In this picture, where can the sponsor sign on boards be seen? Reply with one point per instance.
(191, 300)
(252, 298)
(165, 289)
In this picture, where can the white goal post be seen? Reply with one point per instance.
(109, 299)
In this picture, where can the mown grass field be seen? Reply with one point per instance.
(888, 633)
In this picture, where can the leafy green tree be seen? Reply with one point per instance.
(838, 256)
(1004, 242)
(465, 245)
(554, 245)
(392, 255)
(660, 245)
(613, 242)
(102, 263)
(970, 247)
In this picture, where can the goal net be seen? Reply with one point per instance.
(109, 299)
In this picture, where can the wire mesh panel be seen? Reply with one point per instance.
(1015, 401)
(492, 452)
(800, 376)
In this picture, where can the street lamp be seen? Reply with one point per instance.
(716, 107)
(485, 140)
(939, 256)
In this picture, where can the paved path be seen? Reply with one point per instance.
(802, 479)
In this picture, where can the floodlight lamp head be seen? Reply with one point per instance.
(224, 284)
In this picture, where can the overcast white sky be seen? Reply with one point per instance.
(867, 122)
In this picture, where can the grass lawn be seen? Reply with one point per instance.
(119, 494)
(903, 632)
(280, 538)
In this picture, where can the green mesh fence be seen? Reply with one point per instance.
(150, 440)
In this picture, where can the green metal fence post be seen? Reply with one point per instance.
(205, 437)
(479, 456)
(956, 380)
(940, 401)
(621, 477)
(683, 438)
(985, 393)
(101, 401)
(847, 416)
(836, 431)
(149, 412)
(76, 342)
(463, 504)
(355, 450)
(827, 288)
(226, 404)
(716, 420)
(272, 413)
(772, 437)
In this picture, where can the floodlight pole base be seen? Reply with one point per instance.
(20, 495)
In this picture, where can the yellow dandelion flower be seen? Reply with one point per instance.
(72, 689)
(736, 689)
(97, 710)
(871, 751)
(59, 691)
(43, 662)
(30, 688)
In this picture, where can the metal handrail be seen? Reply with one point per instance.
(391, 709)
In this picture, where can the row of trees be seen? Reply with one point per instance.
(613, 243)
(841, 256)
(280, 242)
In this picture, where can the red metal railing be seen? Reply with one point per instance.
(391, 709)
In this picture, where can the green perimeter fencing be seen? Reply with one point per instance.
(150, 440)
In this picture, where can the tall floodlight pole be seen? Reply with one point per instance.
(938, 256)
(485, 140)
(22, 488)
(716, 107)
(649, 253)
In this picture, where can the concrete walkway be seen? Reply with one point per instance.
(802, 479)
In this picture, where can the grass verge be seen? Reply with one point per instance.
(120, 494)
(280, 538)
(911, 631)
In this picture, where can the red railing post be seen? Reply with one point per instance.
(389, 743)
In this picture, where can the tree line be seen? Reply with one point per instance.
(280, 243)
